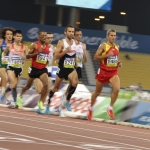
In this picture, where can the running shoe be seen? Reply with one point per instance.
(8, 102)
(66, 104)
(110, 113)
(47, 111)
(19, 102)
(90, 113)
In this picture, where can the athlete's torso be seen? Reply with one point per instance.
(79, 54)
(15, 60)
(40, 61)
(110, 63)
(69, 59)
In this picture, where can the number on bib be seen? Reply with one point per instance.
(112, 61)
(69, 62)
(42, 58)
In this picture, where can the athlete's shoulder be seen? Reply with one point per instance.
(116, 45)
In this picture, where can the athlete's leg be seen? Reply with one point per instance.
(4, 81)
(45, 88)
(115, 82)
(13, 83)
(38, 85)
(57, 84)
(98, 89)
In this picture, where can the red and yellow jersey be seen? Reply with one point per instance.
(110, 63)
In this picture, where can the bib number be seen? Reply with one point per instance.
(112, 61)
(42, 58)
(16, 62)
(69, 62)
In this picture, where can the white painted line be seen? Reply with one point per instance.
(58, 143)
(67, 126)
(3, 148)
(67, 133)
(64, 120)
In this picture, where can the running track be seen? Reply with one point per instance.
(22, 130)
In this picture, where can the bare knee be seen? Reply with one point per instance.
(116, 90)
(74, 83)
(96, 93)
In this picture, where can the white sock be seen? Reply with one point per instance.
(90, 108)
(110, 107)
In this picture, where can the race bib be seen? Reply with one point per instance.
(112, 61)
(6, 60)
(42, 58)
(69, 62)
(16, 62)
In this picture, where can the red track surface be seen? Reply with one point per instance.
(22, 130)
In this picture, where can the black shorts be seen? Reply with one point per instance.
(49, 74)
(64, 72)
(36, 73)
(17, 71)
(79, 72)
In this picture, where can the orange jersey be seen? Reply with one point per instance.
(110, 63)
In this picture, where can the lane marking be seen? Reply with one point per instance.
(71, 134)
(88, 124)
(34, 120)
(58, 143)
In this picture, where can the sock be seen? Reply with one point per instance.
(2, 90)
(90, 108)
(110, 108)
(14, 94)
(51, 93)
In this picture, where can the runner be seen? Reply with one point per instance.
(81, 53)
(66, 54)
(6, 38)
(17, 52)
(37, 83)
(39, 52)
(107, 54)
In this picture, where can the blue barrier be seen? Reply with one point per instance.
(93, 38)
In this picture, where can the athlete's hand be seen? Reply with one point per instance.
(68, 49)
(119, 63)
(110, 54)
(3, 59)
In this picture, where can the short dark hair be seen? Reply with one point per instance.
(3, 31)
(41, 32)
(77, 29)
(49, 33)
(110, 30)
(69, 26)
(18, 32)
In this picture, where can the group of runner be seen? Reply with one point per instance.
(70, 54)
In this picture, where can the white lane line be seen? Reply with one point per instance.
(49, 141)
(67, 133)
(87, 124)
(56, 124)
(3, 148)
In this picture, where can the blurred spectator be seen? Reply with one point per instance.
(139, 87)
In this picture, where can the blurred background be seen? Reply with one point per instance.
(129, 18)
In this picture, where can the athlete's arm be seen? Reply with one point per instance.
(31, 51)
(25, 51)
(98, 55)
(85, 54)
(5, 52)
(58, 52)
(119, 62)
(1, 40)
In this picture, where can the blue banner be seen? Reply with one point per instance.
(141, 114)
(93, 38)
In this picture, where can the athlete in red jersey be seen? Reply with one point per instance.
(107, 54)
(39, 52)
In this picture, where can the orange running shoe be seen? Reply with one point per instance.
(111, 113)
(89, 116)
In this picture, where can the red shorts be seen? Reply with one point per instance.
(104, 76)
